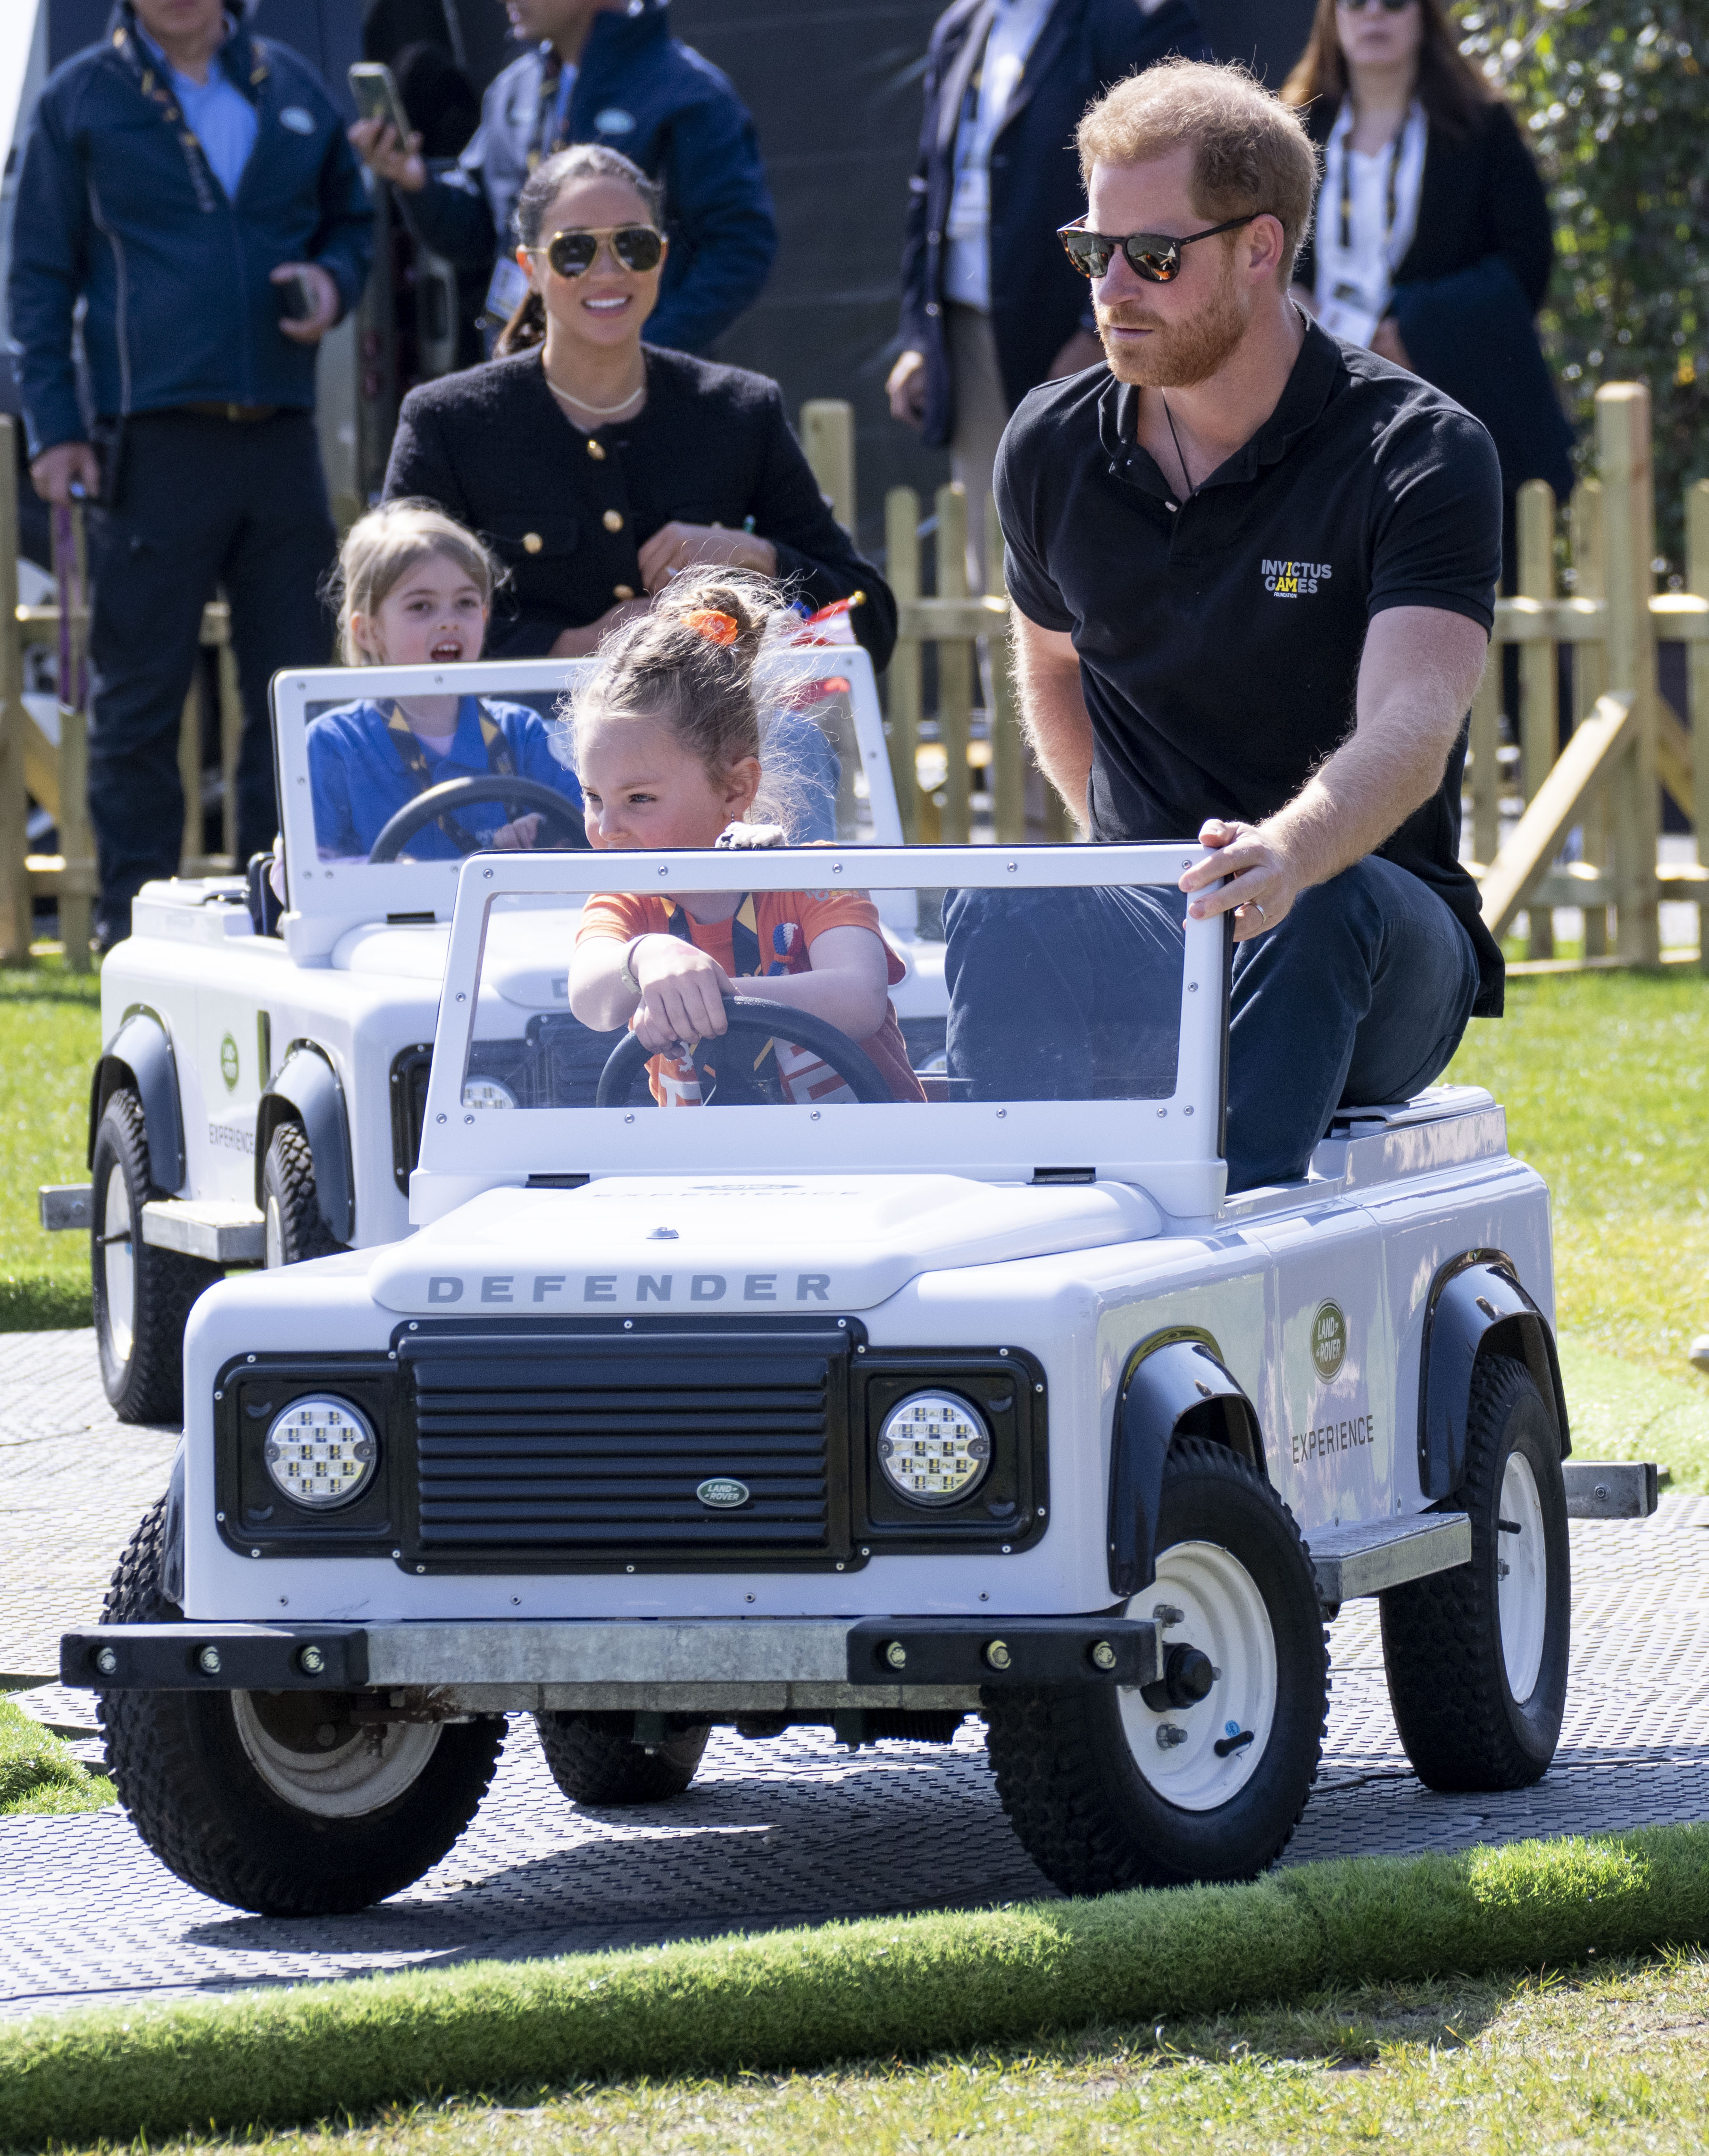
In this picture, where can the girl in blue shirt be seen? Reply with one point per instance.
(416, 589)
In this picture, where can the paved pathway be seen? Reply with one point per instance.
(795, 1830)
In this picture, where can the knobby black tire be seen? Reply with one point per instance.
(1462, 1729)
(147, 1385)
(594, 1762)
(1066, 1771)
(288, 1182)
(195, 1798)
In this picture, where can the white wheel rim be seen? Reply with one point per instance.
(358, 1771)
(1223, 1614)
(1521, 1578)
(119, 1267)
(274, 1233)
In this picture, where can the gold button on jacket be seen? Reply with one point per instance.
(531, 542)
(613, 520)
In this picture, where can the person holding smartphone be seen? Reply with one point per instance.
(188, 188)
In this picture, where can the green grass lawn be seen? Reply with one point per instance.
(1614, 2061)
(38, 1774)
(50, 1037)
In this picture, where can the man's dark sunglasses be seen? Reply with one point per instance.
(637, 246)
(1152, 255)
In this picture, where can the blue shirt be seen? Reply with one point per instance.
(221, 118)
(360, 783)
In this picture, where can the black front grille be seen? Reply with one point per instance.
(589, 1449)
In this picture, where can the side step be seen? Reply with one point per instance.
(1363, 1560)
(223, 1229)
(1610, 1489)
(63, 1206)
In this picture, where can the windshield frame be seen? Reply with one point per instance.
(324, 902)
(1171, 1146)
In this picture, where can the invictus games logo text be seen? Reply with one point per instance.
(1293, 580)
(1328, 1339)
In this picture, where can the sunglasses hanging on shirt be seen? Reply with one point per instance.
(636, 247)
(1156, 256)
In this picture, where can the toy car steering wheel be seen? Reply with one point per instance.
(733, 1085)
(521, 796)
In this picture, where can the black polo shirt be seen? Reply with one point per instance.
(1219, 638)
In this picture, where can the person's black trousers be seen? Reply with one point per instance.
(200, 502)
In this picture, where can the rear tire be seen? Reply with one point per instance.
(1101, 1792)
(142, 1294)
(279, 1802)
(1477, 1657)
(290, 1204)
(594, 1760)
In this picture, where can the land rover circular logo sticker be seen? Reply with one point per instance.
(229, 1063)
(1328, 1339)
(723, 1492)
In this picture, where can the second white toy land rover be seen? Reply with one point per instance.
(258, 1097)
(869, 1413)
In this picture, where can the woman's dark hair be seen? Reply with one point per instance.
(584, 161)
(1450, 87)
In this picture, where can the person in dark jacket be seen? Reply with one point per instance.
(189, 187)
(604, 72)
(598, 468)
(990, 306)
(1434, 244)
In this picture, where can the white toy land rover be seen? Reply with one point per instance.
(258, 1096)
(872, 1413)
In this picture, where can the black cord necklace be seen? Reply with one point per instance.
(1186, 476)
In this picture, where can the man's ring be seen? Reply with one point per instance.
(1259, 911)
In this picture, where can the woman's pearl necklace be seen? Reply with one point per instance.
(598, 411)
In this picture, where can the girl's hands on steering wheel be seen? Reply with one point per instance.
(682, 993)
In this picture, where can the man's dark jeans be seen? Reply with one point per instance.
(1359, 996)
(201, 502)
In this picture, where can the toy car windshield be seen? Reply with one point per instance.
(1046, 1008)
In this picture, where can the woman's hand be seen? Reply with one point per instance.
(906, 388)
(582, 643)
(676, 547)
(523, 833)
(401, 164)
(682, 993)
(1386, 343)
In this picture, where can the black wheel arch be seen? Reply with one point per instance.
(305, 1089)
(140, 1056)
(1477, 1305)
(1176, 1385)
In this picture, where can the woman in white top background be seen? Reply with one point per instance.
(1434, 244)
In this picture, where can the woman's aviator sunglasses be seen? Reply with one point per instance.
(1152, 255)
(636, 247)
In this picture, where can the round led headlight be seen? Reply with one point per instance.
(933, 1448)
(321, 1452)
(488, 1093)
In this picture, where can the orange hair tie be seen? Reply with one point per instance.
(716, 628)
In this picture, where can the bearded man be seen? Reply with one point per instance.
(1253, 572)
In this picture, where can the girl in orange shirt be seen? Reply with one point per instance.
(667, 745)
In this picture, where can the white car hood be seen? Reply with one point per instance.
(729, 1243)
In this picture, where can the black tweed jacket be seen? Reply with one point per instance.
(567, 512)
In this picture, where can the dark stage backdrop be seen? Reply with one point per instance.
(834, 86)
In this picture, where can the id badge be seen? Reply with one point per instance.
(1347, 319)
(508, 289)
(970, 206)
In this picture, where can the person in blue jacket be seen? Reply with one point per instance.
(415, 589)
(189, 211)
(605, 71)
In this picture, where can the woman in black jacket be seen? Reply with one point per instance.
(1432, 242)
(597, 467)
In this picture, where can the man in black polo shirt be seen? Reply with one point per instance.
(1253, 573)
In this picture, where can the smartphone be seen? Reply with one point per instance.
(296, 298)
(376, 98)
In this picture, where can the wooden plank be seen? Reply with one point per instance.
(1697, 576)
(1525, 859)
(41, 763)
(16, 922)
(973, 615)
(1589, 680)
(901, 533)
(828, 443)
(1485, 778)
(955, 668)
(190, 839)
(76, 832)
(1009, 755)
(1539, 717)
(1528, 620)
(1681, 617)
(1673, 754)
(1629, 514)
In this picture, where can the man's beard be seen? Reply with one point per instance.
(1180, 354)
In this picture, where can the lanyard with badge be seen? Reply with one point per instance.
(413, 757)
(147, 77)
(549, 134)
(1356, 299)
